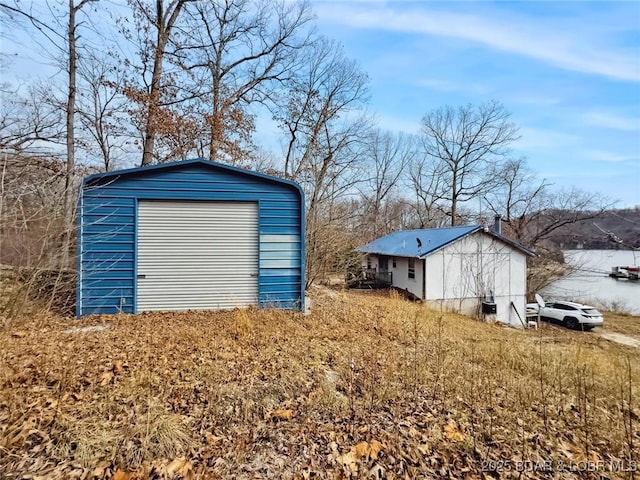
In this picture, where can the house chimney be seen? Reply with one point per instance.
(497, 224)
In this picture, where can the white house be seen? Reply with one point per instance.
(470, 269)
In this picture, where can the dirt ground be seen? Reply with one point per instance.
(366, 386)
(618, 328)
(625, 324)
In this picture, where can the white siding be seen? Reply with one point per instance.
(462, 274)
(197, 255)
(401, 276)
(400, 273)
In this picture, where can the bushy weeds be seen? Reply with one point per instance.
(617, 306)
(365, 387)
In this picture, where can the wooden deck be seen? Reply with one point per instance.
(370, 278)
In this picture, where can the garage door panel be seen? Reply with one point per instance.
(197, 255)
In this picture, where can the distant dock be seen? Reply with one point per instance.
(625, 273)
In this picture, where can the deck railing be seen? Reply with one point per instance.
(370, 277)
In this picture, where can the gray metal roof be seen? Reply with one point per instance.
(422, 242)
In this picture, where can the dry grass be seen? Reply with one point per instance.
(274, 394)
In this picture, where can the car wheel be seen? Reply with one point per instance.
(572, 323)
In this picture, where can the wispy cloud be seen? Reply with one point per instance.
(542, 40)
(521, 96)
(613, 121)
(612, 157)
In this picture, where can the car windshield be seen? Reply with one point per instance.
(591, 311)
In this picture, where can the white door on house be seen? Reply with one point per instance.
(197, 255)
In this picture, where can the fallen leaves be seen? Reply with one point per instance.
(18, 434)
(118, 367)
(360, 455)
(369, 450)
(175, 396)
(122, 475)
(180, 467)
(100, 470)
(453, 433)
(350, 462)
(281, 414)
(106, 378)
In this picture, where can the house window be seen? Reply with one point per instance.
(394, 262)
(412, 268)
(368, 263)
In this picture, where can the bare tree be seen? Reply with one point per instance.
(532, 211)
(72, 39)
(551, 211)
(154, 30)
(67, 44)
(27, 123)
(469, 143)
(516, 196)
(102, 111)
(427, 180)
(387, 155)
(239, 51)
(560, 208)
(324, 136)
(534, 215)
(323, 91)
(31, 206)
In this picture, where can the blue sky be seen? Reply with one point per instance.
(568, 71)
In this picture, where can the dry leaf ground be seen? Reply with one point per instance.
(364, 387)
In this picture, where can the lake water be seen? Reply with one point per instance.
(591, 283)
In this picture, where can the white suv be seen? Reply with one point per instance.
(572, 315)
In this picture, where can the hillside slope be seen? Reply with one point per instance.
(624, 224)
(364, 387)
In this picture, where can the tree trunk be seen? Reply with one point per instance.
(71, 102)
(164, 24)
(454, 198)
(70, 107)
(152, 106)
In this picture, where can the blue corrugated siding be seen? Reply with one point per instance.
(107, 239)
(106, 249)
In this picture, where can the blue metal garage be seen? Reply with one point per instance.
(190, 235)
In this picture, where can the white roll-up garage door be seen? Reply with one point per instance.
(197, 255)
